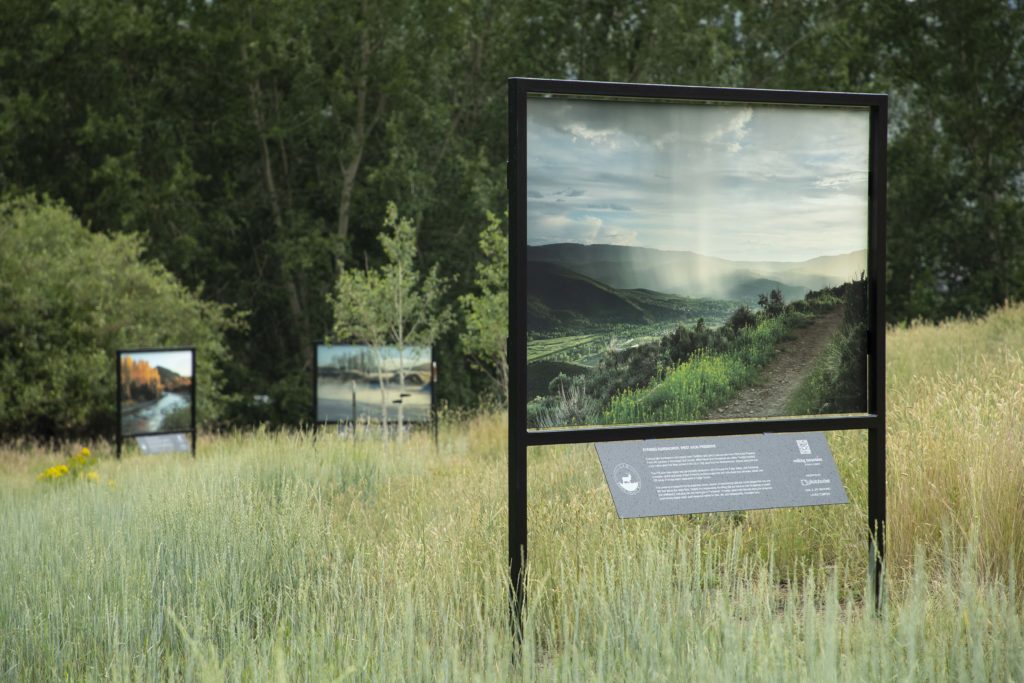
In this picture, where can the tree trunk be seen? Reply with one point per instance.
(400, 338)
(349, 172)
(401, 390)
(291, 289)
(359, 135)
(355, 412)
(383, 394)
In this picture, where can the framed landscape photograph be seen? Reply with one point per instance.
(691, 260)
(156, 399)
(355, 382)
(155, 391)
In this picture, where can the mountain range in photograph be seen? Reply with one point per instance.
(692, 260)
(611, 284)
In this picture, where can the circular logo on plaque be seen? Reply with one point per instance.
(627, 478)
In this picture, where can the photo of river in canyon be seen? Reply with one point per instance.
(156, 391)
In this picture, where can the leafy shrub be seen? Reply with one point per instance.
(743, 317)
(626, 369)
(772, 304)
(684, 341)
(70, 299)
(569, 404)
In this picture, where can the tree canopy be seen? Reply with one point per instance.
(254, 146)
(71, 299)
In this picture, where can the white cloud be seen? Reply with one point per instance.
(551, 229)
(732, 132)
(553, 224)
(745, 182)
(595, 231)
(607, 138)
(841, 181)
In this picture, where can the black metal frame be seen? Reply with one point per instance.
(520, 437)
(117, 388)
(433, 388)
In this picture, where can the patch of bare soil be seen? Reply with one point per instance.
(780, 378)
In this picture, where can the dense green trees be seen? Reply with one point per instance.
(254, 145)
(484, 337)
(70, 299)
(956, 204)
(394, 305)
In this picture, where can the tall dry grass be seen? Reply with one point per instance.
(956, 438)
(303, 556)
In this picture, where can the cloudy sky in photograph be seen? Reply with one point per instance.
(338, 355)
(741, 182)
(175, 361)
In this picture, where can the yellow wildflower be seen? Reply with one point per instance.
(92, 475)
(55, 472)
(86, 452)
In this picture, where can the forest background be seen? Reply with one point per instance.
(251, 148)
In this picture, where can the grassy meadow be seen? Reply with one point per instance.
(302, 556)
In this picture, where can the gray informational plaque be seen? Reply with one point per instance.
(162, 443)
(720, 474)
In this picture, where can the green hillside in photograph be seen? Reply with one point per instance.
(560, 299)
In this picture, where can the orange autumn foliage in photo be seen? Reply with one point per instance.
(140, 381)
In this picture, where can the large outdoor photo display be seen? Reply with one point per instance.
(694, 261)
(155, 391)
(356, 382)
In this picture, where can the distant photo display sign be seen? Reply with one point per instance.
(156, 395)
(360, 383)
(692, 260)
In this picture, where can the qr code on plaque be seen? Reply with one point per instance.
(805, 448)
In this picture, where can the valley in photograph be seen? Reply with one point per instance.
(156, 391)
(693, 261)
(356, 382)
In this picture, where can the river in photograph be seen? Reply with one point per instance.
(152, 416)
(335, 401)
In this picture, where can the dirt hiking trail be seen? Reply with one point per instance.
(783, 374)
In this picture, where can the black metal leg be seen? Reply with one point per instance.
(517, 532)
(876, 510)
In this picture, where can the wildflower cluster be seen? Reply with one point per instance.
(55, 472)
(79, 466)
(81, 463)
